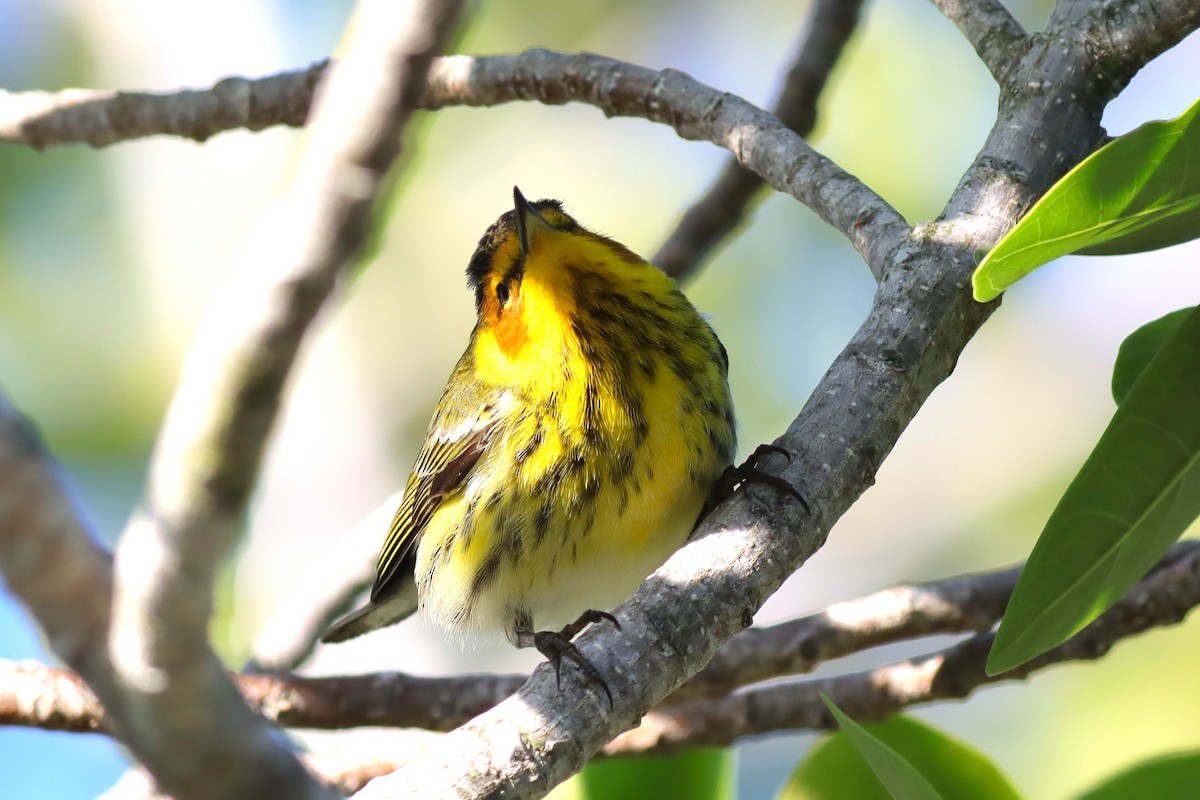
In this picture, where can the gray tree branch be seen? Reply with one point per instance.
(39, 696)
(921, 320)
(998, 39)
(171, 700)
(291, 634)
(51, 563)
(48, 558)
(176, 694)
(972, 602)
(759, 141)
(1124, 31)
(36, 696)
(725, 204)
(101, 118)
(1164, 597)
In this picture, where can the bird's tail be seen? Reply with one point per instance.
(378, 613)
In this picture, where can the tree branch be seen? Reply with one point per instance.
(957, 605)
(172, 701)
(827, 27)
(758, 140)
(972, 602)
(66, 580)
(39, 696)
(49, 560)
(36, 696)
(920, 321)
(1164, 597)
(998, 39)
(1122, 35)
(290, 635)
(103, 118)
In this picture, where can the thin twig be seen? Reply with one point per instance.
(966, 603)
(721, 209)
(972, 602)
(290, 634)
(103, 118)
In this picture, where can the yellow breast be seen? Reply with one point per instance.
(617, 422)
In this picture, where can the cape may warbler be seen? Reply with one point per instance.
(571, 451)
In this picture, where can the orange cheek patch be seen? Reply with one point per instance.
(510, 329)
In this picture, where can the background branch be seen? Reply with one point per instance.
(966, 603)
(174, 705)
(39, 696)
(49, 560)
(208, 451)
(972, 602)
(758, 140)
(722, 208)
(291, 634)
(1164, 597)
(103, 118)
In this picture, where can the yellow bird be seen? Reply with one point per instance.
(572, 450)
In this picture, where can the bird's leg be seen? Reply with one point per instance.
(557, 645)
(733, 477)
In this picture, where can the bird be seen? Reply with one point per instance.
(576, 443)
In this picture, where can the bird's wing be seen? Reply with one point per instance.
(449, 454)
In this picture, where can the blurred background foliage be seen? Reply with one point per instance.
(109, 258)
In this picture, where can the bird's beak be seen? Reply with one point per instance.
(528, 220)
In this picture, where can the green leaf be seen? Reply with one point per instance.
(1139, 348)
(704, 774)
(900, 778)
(1139, 192)
(834, 769)
(1136, 494)
(1169, 776)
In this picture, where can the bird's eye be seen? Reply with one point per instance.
(502, 292)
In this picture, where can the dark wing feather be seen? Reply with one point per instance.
(446, 460)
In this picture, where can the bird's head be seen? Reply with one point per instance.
(532, 273)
